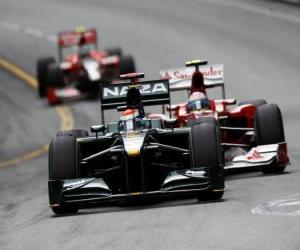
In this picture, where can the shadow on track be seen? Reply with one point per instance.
(253, 174)
(138, 205)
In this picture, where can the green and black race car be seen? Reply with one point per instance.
(135, 157)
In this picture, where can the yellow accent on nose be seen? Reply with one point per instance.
(136, 193)
(80, 29)
(133, 152)
(192, 62)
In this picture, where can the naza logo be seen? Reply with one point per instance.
(145, 89)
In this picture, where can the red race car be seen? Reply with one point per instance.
(81, 67)
(251, 133)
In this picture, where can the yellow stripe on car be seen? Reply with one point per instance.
(133, 152)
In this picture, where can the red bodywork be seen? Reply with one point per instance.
(236, 125)
(240, 116)
(73, 63)
(83, 46)
(108, 65)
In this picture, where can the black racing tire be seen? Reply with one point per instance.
(42, 70)
(65, 209)
(127, 65)
(269, 129)
(207, 153)
(77, 133)
(114, 51)
(255, 102)
(62, 162)
(209, 195)
(200, 120)
(55, 77)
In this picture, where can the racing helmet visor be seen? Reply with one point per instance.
(198, 104)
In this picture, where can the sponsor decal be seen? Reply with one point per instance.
(254, 155)
(211, 72)
(115, 91)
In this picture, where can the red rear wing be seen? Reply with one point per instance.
(71, 38)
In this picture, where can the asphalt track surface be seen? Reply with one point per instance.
(258, 41)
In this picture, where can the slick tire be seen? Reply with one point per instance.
(207, 153)
(269, 129)
(114, 51)
(77, 133)
(200, 120)
(62, 162)
(65, 209)
(127, 65)
(55, 76)
(255, 102)
(42, 69)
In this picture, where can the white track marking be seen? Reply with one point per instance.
(28, 31)
(34, 32)
(10, 26)
(289, 206)
(293, 203)
(51, 38)
(233, 4)
(255, 9)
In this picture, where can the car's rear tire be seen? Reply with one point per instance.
(62, 162)
(114, 51)
(207, 153)
(42, 69)
(127, 65)
(255, 102)
(269, 130)
(55, 76)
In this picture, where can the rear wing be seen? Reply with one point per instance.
(71, 38)
(180, 78)
(114, 95)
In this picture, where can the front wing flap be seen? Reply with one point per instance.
(84, 190)
(260, 157)
(65, 94)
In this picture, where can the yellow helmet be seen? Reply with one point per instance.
(80, 29)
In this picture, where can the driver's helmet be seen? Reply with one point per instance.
(80, 29)
(198, 101)
(130, 120)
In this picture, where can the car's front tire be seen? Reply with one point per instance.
(269, 130)
(55, 76)
(62, 162)
(116, 51)
(207, 153)
(255, 102)
(42, 69)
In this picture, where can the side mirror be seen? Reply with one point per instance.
(98, 129)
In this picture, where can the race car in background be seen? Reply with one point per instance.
(136, 157)
(80, 68)
(252, 132)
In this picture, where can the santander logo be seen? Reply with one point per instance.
(214, 71)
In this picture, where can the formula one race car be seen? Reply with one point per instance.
(252, 133)
(80, 68)
(134, 158)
